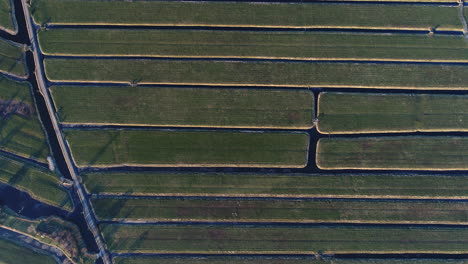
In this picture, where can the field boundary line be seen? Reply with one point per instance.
(259, 86)
(109, 195)
(241, 58)
(326, 252)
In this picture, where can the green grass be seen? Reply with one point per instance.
(51, 230)
(157, 238)
(22, 135)
(276, 184)
(411, 152)
(40, 184)
(199, 107)
(259, 73)
(300, 45)
(10, 253)
(244, 14)
(215, 260)
(6, 16)
(187, 148)
(12, 58)
(273, 260)
(364, 113)
(279, 210)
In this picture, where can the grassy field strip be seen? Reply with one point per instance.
(238, 73)
(285, 211)
(11, 253)
(248, 44)
(285, 239)
(348, 113)
(397, 153)
(185, 107)
(12, 60)
(244, 14)
(7, 20)
(21, 131)
(42, 185)
(272, 260)
(108, 148)
(278, 185)
(217, 260)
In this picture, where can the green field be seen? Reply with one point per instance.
(160, 238)
(188, 209)
(411, 152)
(196, 107)
(245, 14)
(365, 113)
(52, 231)
(41, 184)
(10, 253)
(6, 19)
(187, 148)
(273, 260)
(312, 185)
(12, 58)
(304, 74)
(248, 44)
(21, 134)
(215, 260)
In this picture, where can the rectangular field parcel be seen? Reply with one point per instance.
(366, 113)
(188, 148)
(196, 107)
(20, 128)
(220, 260)
(244, 14)
(303, 74)
(217, 239)
(399, 153)
(37, 182)
(12, 58)
(277, 185)
(280, 210)
(7, 21)
(273, 260)
(252, 44)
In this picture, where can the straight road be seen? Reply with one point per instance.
(88, 213)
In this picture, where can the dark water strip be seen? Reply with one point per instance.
(265, 29)
(234, 59)
(23, 159)
(324, 224)
(260, 198)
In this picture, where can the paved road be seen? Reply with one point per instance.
(88, 213)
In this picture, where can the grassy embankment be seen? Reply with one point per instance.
(257, 44)
(366, 75)
(41, 184)
(274, 260)
(246, 14)
(297, 211)
(53, 231)
(367, 113)
(11, 253)
(187, 148)
(7, 21)
(196, 107)
(294, 185)
(20, 129)
(12, 59)
(399, 153)
(253, 239)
